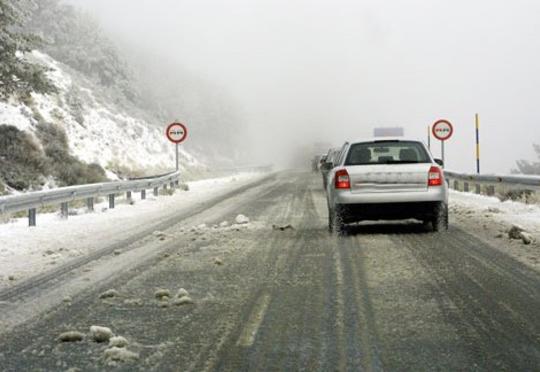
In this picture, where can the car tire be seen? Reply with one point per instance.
(440, 219)
(335, 222)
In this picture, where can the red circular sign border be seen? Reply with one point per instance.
(439, 122)
(181, 139)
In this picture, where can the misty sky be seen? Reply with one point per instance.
(305, 70)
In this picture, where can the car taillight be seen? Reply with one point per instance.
(435, 177)
(342, 180)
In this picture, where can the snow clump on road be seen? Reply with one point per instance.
(100, 334)
(162, 293)
(182, 293)
(109, 294)
(182, 298)
(241, 219)
(118, 354)
(118, 341)
(71, 336)
(185, 300)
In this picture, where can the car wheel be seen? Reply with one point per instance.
(330, 221)
(440, 219)
(335, 222)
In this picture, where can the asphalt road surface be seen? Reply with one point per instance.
(281, 293)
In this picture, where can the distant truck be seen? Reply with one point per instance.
(389, 132)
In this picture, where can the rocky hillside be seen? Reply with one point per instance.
(81, 124)
(74, 113)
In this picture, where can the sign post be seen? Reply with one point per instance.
(176, 133)
(477, 143)
(442, 130)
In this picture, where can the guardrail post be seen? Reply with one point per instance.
(456, 185)
(64, 210)
(490, 190)
(111, 201)
(177, 183)
(478, 188)
(128, 197)
(156, 191)
(143, 194)
(32, 217)
(466, 186)
(173, 186)
(90, 204)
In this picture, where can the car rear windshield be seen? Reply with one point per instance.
(387, 152)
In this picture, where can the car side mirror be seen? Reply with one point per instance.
(440, 162)
(327, 166)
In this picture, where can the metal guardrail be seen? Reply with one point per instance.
(62, 196)
(488, 184)
(149, 177)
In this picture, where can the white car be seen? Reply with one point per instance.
(387, 179)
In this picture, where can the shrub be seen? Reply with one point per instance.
(521, 195)
(66, 168)
(22, 162)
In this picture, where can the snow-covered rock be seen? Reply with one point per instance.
(526, 238)
(515, 232)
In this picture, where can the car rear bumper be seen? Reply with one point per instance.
(387, 211)
(432, 194)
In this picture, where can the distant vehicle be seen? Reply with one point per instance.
(387, 179)
(331, 158)
(316, 162)
(388, 132)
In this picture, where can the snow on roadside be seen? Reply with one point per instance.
(25, 251)
(508, 212)
(493, 221)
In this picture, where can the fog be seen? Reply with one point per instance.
(303, 71)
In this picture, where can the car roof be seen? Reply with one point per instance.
(372, 139)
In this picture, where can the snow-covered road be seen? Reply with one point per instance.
(26, 252)
(282, 293)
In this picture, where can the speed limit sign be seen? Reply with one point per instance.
(442, 130)
(176, 132)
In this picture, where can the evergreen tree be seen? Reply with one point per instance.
(527, 167)
(18, 76)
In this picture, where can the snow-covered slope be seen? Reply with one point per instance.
(98, 130)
